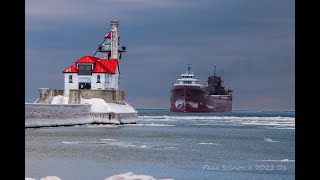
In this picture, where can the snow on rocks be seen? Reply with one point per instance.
(129, 176)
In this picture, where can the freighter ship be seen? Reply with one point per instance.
(188, 96)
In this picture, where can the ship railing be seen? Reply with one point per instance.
(221, 96)
(177, 84)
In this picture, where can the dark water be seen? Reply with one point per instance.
(237, 145)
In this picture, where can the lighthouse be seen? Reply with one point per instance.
(91, 91)
(90, 72)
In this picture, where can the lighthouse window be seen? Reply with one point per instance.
(98, 79)
(70, 79)
(108, 41)
(85, 69)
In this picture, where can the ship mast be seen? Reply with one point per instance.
(215, 70)
(189, 69)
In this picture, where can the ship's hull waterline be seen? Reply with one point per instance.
(197, 99)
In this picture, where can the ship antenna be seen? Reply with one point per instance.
(189, 69)
(215, 70)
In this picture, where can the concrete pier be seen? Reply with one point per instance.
(82, 106)
(38, 115)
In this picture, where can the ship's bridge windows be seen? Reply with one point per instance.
(187, 77)
(186, 82)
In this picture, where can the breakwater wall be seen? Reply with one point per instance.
(108, 95)
(75, 95)
(38, 115)
(114, 118)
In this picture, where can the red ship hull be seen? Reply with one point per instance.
(197, 99)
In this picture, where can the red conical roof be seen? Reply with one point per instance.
(108, 35)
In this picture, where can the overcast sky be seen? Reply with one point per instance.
(252, 42)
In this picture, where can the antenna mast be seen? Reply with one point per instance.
(189, 69)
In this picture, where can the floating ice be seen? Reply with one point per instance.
(283, 160)
(107, 139)
(75, 142)
(278, 122)
(209, 143)
(269, 140)
(50, 178)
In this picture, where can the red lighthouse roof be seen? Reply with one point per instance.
(108, 35)
(99, 65)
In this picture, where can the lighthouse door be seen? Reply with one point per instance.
(84, 85)
(85, 82)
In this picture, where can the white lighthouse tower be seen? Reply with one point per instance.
(110, 50)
